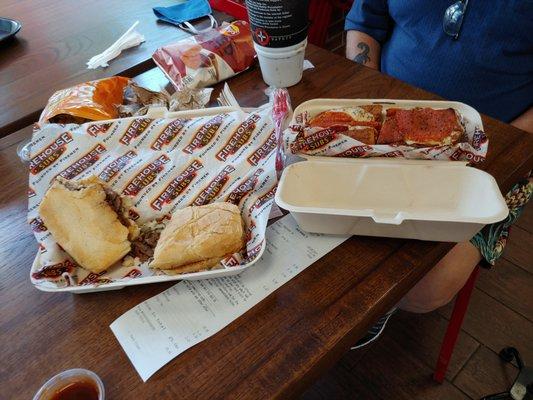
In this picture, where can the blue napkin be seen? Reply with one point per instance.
(187, 11)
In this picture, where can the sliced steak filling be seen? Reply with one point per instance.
(143, 247)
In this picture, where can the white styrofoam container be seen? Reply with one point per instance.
(391, 197)
(416, 199)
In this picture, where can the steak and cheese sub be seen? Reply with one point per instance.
(89, 221)
(198, 238)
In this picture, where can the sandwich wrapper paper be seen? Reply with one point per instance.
(161, 164)
(314, 141)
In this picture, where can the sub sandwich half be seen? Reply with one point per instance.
(89, 221)
(198, 238)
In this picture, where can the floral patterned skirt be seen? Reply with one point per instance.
(492, 238)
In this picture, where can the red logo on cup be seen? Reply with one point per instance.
(261, 37)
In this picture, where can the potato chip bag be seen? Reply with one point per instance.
(209, 57)
(89, 101)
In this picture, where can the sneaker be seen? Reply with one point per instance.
(374, 332)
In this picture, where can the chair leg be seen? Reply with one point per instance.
(454, 326)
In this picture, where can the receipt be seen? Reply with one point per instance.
(164, 326)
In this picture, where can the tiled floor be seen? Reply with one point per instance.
(399, 365)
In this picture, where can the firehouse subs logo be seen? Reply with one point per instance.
(262, 200)
(264, 150)
(255, 251)
(134, 273)
(314, 141)
(478, 139)
(205, 134)
(98, 129)
(112, 169)
(210, 192)
(93, 278)
(396, 153)
(231, 261)
(177, 185)
(37, 225)
(239, 138)
(461, 154)
(302, 118)
(168, 134)
(297, 129)
(83, 162)
(50, 154)
(146, 176)
(355, 151)
(135, 129)
(244, 188)
(132, 214)
(54, 271)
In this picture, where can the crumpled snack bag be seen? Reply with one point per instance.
(89, 101)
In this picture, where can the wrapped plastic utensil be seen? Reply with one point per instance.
(130, 38)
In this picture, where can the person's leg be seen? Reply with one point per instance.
(435, 289)
(443, 281)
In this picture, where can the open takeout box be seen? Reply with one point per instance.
(391, 197)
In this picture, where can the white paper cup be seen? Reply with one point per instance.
(281, 66)
(67, 377)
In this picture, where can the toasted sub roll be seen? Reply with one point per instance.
(198, 238)
(88, 221)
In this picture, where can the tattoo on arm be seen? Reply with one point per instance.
(362, 57)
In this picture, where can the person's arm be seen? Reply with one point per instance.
(363, 49)
(367, 25)
(525, 121)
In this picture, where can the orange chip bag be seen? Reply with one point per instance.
(95, 100)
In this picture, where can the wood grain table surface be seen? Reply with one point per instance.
(59, 36)
(277, 348)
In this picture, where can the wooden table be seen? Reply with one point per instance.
(59, 36)
(277, 348)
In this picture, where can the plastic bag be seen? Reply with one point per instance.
(89, 101)
(209, 57)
